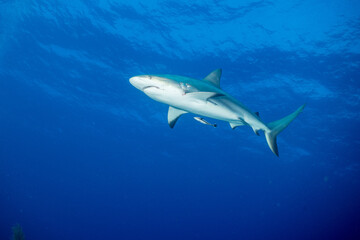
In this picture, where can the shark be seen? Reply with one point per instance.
(206, 98)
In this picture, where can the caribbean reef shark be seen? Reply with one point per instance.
(205, 97)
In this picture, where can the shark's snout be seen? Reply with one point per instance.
(140, 82)
(134, 80)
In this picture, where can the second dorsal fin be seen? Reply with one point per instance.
(214, 77)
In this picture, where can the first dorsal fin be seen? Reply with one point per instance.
(214, 77)
(173, 115)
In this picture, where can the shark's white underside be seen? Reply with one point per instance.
(205, 98)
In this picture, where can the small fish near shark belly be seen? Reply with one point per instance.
(203, 121)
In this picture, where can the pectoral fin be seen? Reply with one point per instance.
(173, 115)
(204, 95)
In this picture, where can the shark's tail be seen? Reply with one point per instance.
(277, 126)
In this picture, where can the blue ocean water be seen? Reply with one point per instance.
(85, 155)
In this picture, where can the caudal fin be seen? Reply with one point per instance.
(277, 126)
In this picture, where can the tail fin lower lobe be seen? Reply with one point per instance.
(277, 126)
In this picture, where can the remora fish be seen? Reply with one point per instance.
(205, 98)
(203, 121)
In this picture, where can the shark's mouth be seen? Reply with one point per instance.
(147, 87)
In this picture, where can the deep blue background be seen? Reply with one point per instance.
(84, 155)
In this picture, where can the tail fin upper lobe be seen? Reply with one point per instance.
(277, 126)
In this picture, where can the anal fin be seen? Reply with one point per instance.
(256, 131)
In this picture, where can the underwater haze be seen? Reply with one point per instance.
(85, 155)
